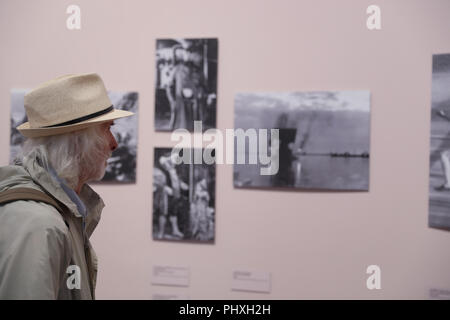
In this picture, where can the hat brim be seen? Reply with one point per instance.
(29, 132)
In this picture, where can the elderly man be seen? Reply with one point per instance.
(47, 210)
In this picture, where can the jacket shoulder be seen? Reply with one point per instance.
(32, 215)
(35, 250)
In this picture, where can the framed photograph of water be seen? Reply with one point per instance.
(316, 140)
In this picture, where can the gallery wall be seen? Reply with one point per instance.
(314, 244)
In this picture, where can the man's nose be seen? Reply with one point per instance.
(113, 143)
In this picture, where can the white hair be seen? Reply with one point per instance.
(74, 156)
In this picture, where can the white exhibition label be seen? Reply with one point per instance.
(251, 281)
(439, 294)
(171, 276)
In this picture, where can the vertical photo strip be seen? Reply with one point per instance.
(183, 197)
(323, 139)
(186, 83)
(439, 181)
(122, 164)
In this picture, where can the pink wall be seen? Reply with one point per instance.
(316, 245)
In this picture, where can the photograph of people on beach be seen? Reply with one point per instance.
(186, 83)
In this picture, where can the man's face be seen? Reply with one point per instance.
(109, 145)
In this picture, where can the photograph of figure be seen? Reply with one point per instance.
(183, 198)
(186, 83)
(122, 164)
(439, 187)
(323, 139)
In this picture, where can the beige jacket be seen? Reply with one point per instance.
(44, 255)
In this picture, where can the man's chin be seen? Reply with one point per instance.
(99, 176)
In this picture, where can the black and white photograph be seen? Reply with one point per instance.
(323, 139)
(18, 116)
(439, 186)
(122, 164)
(186, 83)
(183, 197)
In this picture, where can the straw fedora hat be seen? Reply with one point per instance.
(66, 104)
